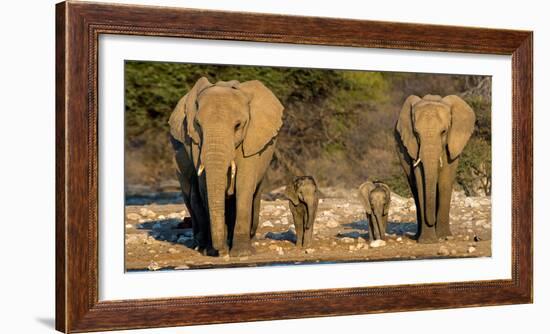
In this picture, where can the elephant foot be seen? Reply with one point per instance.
(443, 232)
(428, 237)
(241, 249)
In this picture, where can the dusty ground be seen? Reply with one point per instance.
(157, 239)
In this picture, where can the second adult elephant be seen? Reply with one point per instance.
(224, 135)
(431, 133)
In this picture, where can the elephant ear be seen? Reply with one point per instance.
(266, 114)
(463, 120)
(290, 193)
(405, 126)
(187, 110)
(364, 194)
(388, 196)
(176, 120)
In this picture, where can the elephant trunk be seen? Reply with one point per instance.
(430, 164)
(217, 158)
(309, 198)
(379, 231)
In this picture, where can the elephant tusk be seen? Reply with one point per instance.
(233, 169)
(201, 169)
(416, 162)
(440, 162)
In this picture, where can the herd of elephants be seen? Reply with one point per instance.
(224, 135)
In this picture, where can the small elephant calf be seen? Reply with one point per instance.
(303, 200)
(376, 197)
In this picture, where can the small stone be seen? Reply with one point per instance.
(347, 240)
(133, 216)
(310, 250)
(172, 251)
(173, 215)
(284, 221)
(161, 217)
(470, 230)
(129, 225)
(267, 223)
(471, 249)
(243, 258)
(399, 239)
(359, 246)
(147, 213)
(351, 248)
(449, 238)
(280, 251)
(273, 247)
(377, 243)
(332, 224)
(256, 243)
(466, 238)
(443, 251)
(153, 266)
(152, 251)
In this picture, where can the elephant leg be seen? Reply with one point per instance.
(426, 233)
(383, 227)
(256, 206)
(414, 191)
(200, 220)
(308, 237)
(298, 219)
(241, 244)
(372, 227)
(445, 191)
(230, 217)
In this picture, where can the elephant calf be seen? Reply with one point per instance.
(376, 198)
(303, 200)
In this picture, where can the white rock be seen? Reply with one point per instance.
(347, 240)
(153, 266)
(284, 221)
(399, 239)
(172, 251)
(173, 215)
(147, 213)
(377, 243)
(332, 224)
(133, 216)
(352, 248)
(267, 223)
(471, 249)
(443, 251)
(310, 250)
(129, 225)
(161, 217)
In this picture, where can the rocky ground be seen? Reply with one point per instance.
(158, 238)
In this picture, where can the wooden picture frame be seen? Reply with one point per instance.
(78, 26)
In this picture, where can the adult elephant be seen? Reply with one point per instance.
(431, 132)
(224, 135)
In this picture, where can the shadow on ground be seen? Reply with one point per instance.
(171, 230)
(286, 235)
(399, 229)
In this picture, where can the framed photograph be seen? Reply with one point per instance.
(223, 167)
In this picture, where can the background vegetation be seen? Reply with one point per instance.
(338, 125)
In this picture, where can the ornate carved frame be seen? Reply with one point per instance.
(78, 25)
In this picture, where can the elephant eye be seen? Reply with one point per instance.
(196, 104)
(237, 126)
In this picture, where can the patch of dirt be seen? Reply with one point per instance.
(158, 237)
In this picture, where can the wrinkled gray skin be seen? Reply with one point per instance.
(376, 198)
(223, 135)
(430, 134)
(303, 200)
